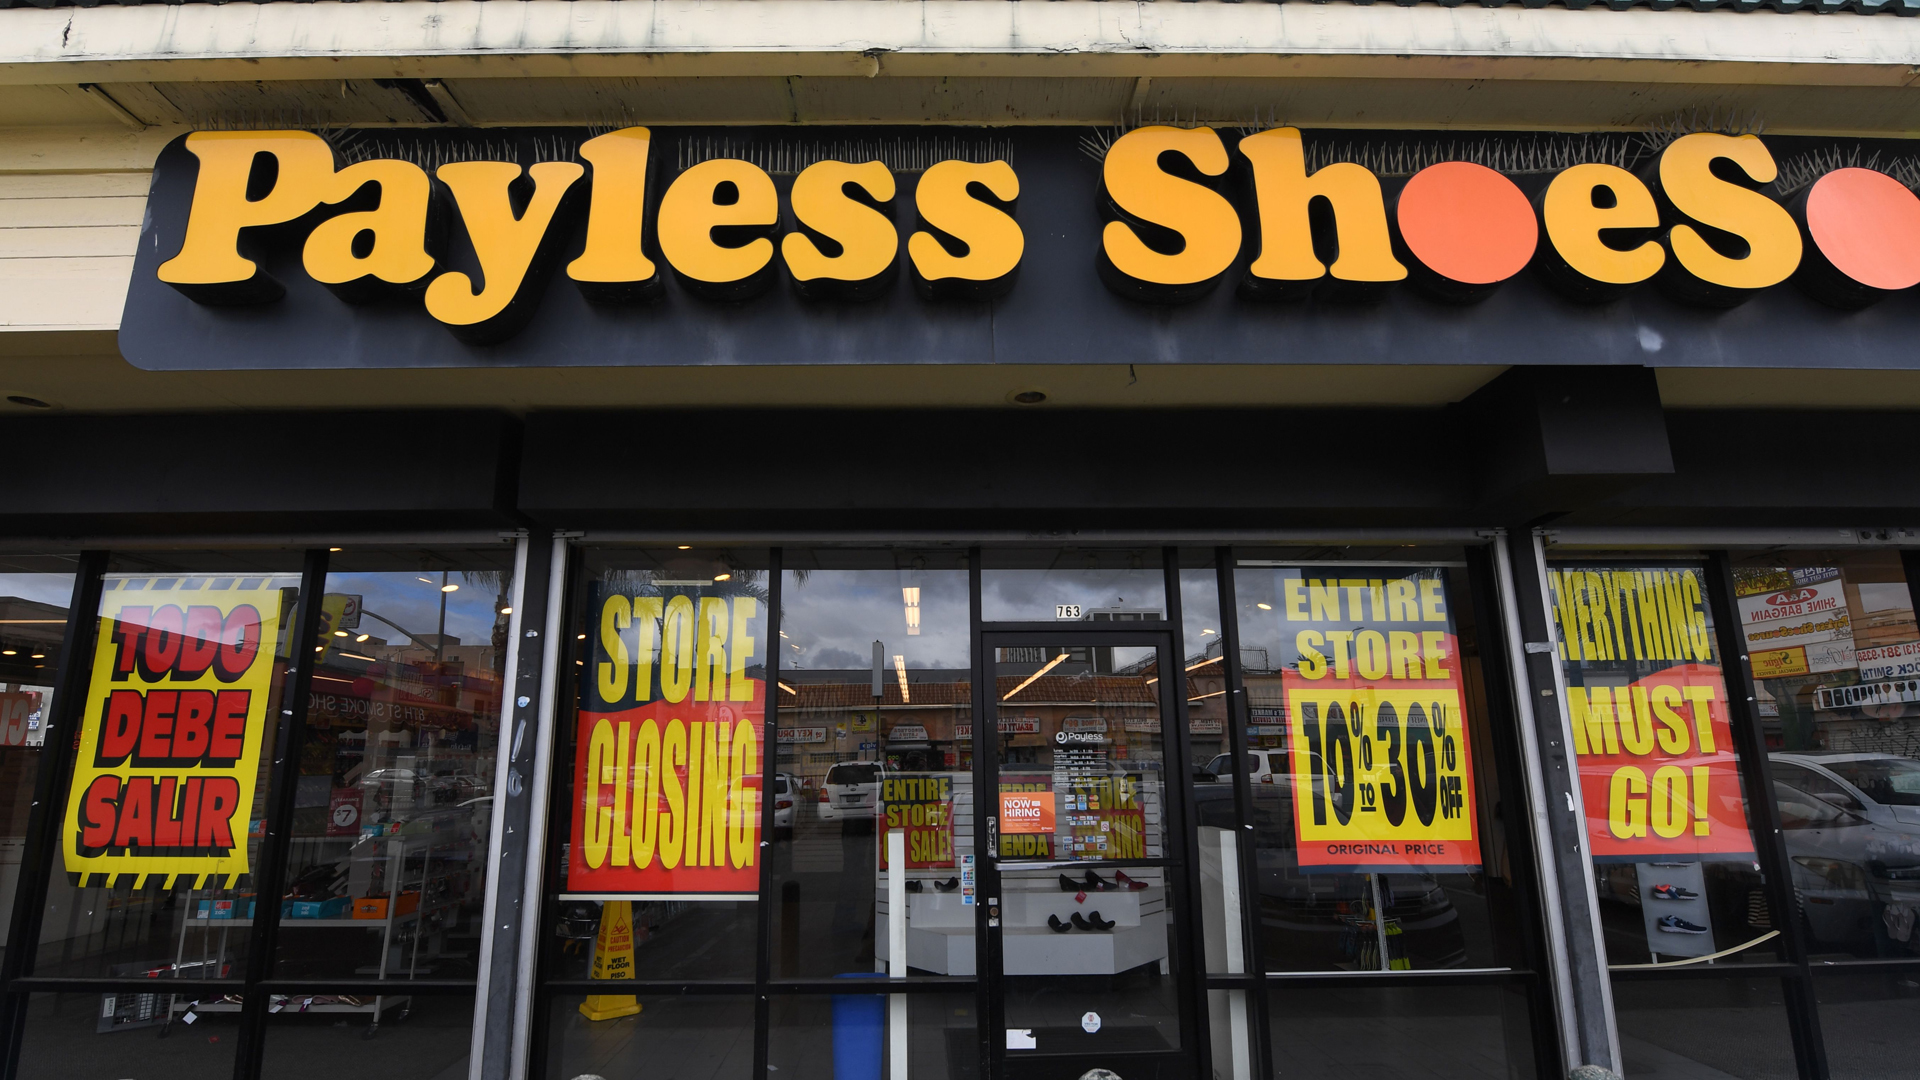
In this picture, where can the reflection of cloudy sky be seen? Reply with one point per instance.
(833, 618)
(1032, 595)
(415, 604)
(55, 589)
(1200, 612)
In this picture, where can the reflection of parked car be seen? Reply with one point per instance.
(1846, 867)
(786, 791)
(1319, 921)
(1266, 767)
(1882, 788)
(851, 791)
(456, 787)
(385, 787)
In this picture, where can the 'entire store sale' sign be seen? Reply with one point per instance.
(1381, 762)
(1648, 705)
(169, 750)
(1157, 244)
(668, 745)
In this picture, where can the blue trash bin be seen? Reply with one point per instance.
(859, 1031)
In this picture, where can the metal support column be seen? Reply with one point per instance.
(508, 839)
(1582, 992)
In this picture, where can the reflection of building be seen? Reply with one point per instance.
(833, 716)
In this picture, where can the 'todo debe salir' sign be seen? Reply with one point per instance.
(1381, 759)
(668, 752)
(169, 751)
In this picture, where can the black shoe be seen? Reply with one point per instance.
(1080, 922)
(913, 886)
(1096, 883)
(1104, 926)
(948, 885)
(1058, 927)
(1067, 884)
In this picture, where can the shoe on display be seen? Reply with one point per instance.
(1080, 922)
(1103, 925)
(1096, 883)
(1067, 884)
(948, 885)
(1674, 924)
(913, 886)
(1674, 892)
(1058, 927)
(1132, 883)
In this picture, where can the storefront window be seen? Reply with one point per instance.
(662, 758)
(34, 593)
(663, 1037)
(1836, 662)
(1073, 584)
(1378, 816)
(1666, 809)
(875, 721)
(387, 867)
(166, 801)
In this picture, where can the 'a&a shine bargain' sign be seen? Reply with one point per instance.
(169, 750)
(1648, 705)
(1381, 759)
(668, 756)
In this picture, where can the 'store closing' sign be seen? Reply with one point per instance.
(668, 759)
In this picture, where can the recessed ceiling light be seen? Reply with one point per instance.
(1264, 607)
(9, 652)
(363, 637)
(686, 547)
(1027, 397)
(339, 633)
(723, 577)
(335, 549)
(449, 588)
(29, 402)
(506, 611)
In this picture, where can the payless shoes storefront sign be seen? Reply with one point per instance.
(281, 249)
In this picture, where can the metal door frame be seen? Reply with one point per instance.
(1178, 857)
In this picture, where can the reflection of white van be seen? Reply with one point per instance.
(1266, 767)
(851, 791)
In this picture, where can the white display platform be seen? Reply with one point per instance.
(940, 931)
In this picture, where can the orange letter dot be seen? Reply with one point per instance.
(1467, 223)
(1867, 224)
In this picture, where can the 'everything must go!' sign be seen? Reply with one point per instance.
(1382, 761)
(169, 751)
(1648, 706)
(668, 754)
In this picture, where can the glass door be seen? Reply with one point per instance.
(1086, 879)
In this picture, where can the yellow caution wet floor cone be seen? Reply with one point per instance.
(612, 959)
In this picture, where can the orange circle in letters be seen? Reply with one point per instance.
(1867, 224)
(1467, 223)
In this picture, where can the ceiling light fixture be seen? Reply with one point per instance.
(1264, 607)
(1204, 663)
(900, 669)
(1204, 633)
(449, 588)
(9, 652)
(789, 689)
(363, 637)
(506, 611)
(333, 549)
(1204, 697)
(1031, 679)
(723, 577)
(911, 595)
(339, 633)
(686, 547)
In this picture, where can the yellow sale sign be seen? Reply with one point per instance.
(1380, 755)
(169, 750)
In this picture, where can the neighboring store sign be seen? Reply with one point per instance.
(969, 246)
(922, 806)
(907, 733)
(1386, 777)
(1199, 726)
(19, 716)
(1648, 706)
(788, 736)
(1900, 661)
(169, 750)
(1796, 622)
(668, 761)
